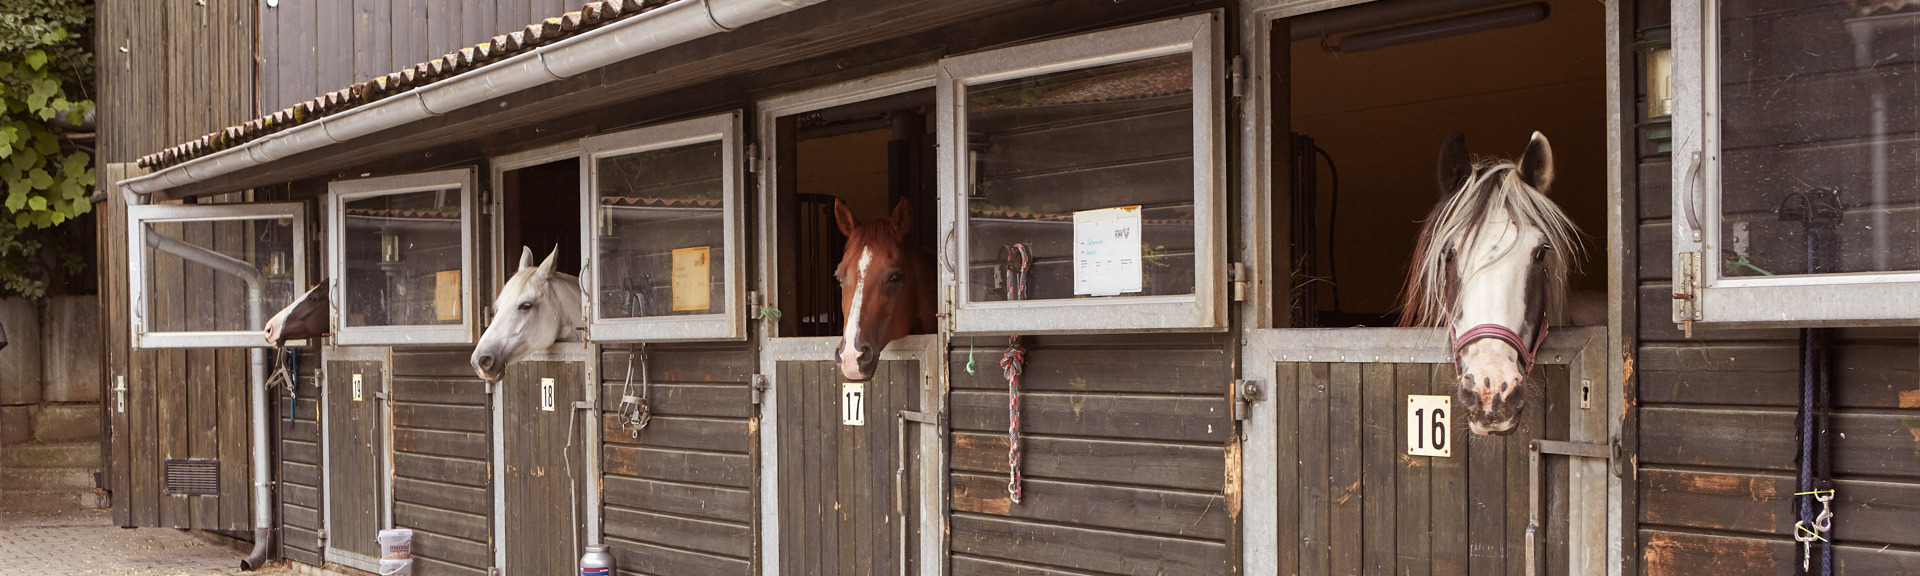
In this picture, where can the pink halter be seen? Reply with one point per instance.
(1504, 334)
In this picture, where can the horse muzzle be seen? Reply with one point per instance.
(856, 365)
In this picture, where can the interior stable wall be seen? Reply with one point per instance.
(1383, 114)
(1716, 456)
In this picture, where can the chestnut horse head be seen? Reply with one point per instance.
(886, 288)
(1491, 264)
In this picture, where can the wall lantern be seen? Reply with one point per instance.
(1656, 60)
(390, 243)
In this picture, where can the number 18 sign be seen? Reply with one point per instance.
(1429, 427)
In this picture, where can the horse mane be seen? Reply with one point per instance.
(1495, 185)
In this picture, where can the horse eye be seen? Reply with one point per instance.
(526, 305)
(894, 277)
(1540, 253)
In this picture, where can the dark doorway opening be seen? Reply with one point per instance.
(540, 210)
(869, 154)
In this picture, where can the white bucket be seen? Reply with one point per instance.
(396, 544)
(396, 567)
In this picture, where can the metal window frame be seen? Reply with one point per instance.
(138, 217)
(503, 256)
(770, 111)
(730, 322)
(1201, 36)
(341, 191)
(1854, 299)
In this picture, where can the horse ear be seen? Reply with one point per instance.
(526, 257)
(902, 217)
(844, 217)
(1536, 166)
(546, 266)
(1455, 165)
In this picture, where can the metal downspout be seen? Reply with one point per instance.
(257, 386)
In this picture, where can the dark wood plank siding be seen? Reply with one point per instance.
(837, 483)
(308, 49)
(1716, 421)
(543, 465)
(1361, 505)
(301, 508)
(1124, 457)
(353, 463)
(442, 469)
(678, 496)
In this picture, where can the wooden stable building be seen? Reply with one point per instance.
(1229, 402)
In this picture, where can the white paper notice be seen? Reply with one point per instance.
(1106, 251)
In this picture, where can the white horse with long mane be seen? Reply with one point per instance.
(535, 308)
(1491, 264)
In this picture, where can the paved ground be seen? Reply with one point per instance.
(89, 543)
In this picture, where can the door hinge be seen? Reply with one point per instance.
(1237, 74)
(753, 158)
(758, 390)
(1686, 291)
(1237, 274)
(1242, 394)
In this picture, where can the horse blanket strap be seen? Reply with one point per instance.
(1011, 364)
(1504, 334)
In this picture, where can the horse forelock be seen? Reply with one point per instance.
(1461, 221)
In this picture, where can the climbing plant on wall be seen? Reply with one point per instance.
(46, 160)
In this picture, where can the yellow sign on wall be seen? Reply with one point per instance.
(446, 295)
(692, 290)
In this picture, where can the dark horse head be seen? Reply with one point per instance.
(1491, 264)
(886, 288)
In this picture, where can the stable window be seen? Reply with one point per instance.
(1083, 178)
(1796, 180)
(401, 250)
(665, 233)
(210, 276)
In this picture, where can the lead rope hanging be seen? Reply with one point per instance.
(1011, 363)
(1818, 211)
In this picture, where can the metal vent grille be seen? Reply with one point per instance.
(193, 477)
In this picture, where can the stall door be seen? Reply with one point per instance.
(539, 523)
(1350, 471)
(355, 474)
(848, 490)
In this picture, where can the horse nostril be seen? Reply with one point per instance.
(865, 352)
(486, 362)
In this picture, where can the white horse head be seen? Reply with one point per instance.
(535, 308)
(1491, 264)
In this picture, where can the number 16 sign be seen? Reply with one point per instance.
(1429, 427)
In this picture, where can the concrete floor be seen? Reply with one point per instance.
(88, 543)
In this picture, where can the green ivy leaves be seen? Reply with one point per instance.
(46, 171)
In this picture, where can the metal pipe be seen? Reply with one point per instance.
(667, 26)
(257, 385)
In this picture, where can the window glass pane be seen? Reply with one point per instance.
(204, 290)
(1091, 172)
(1819, 105)
(662, 233)
(403, 259)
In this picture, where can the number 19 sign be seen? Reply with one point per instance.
(1429, 429)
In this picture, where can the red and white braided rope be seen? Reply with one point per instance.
(1011, 364)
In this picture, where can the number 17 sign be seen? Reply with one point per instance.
(1429, 427)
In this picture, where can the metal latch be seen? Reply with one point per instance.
(1604, 451)
(758, 389)
(936, 419)
(1686, 291)
(1242, 395)
(120, 394)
